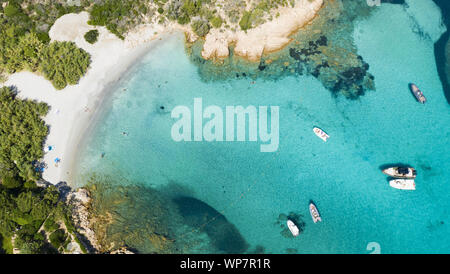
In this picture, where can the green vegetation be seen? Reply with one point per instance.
(5, 245)
(245, 22)
(200, 27)
(216, 22)
(58, 238)
(120, 16)
(22, 214)
(91, 36)
(26, 211)
(22, 134)
(24, 43)
(50, 225)
(64, 63)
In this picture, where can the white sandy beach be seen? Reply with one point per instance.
(73, 108)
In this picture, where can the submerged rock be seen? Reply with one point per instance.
(223, 234)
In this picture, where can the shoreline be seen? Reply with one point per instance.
(103, 101)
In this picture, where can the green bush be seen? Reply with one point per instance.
(58, 238)
(12, 9)
(245, 22)
(63, 63)
(183, 19)
(28, 245)
(200, 27)
(91, 36)
(11, 182)
(50, 225)
(30, 185)
(216, 22)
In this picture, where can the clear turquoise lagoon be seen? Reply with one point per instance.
(251, 189)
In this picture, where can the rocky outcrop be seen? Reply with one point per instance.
(268, 37)
(79, 202)
(123, 250)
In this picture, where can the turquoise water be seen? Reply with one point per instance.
(251, 189)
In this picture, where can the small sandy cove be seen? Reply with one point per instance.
(72, 109)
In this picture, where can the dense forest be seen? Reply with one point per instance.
(30, 216)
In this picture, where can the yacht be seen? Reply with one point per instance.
(293, 228)
(404, 184)
(401, 172)
(417, 93)
(321, 134)
(314, 212)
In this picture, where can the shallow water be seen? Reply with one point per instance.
(251, 189)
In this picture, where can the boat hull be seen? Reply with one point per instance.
(321, 134)
(315, 215)
(403, 184)
(395, 172)
(293, 228)
(418, 94)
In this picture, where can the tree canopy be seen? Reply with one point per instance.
(22, 135)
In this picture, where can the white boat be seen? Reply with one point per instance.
(417, 93)
(314, 213)
(404, 184)
(321, 134)
(401, 172)
(293, 228)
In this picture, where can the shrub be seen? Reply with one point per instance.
(58, 238)
(22, 137)
(200, 27)
(11, 182)
(216, 22)
(91, 36)
(63, 63)
(50, 225)
(245, 22)
(30, 185)
(12, 10)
